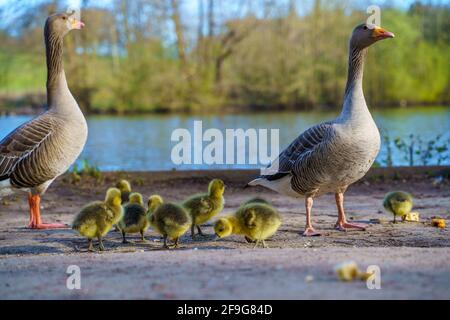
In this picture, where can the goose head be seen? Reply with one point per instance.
(61, 23)
(367, 34)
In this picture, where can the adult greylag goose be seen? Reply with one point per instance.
(332, 155)
(36, 153)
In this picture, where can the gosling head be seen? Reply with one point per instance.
(59, 24)
(401, 203)
(136, 198)
(367, 34)
(216, 187)
(223, 228)
(154, 202)
(123, 186)
(113, 197)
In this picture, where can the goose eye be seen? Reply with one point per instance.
(64, 18)
(365, 28)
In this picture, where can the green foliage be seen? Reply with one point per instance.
(414, 150)
(280, 61)
(85, 169)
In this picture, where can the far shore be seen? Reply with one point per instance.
(242, 176)
(32, 106)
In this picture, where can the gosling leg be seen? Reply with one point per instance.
(90, 247)
(200, 231)
(100, 243)
(124, 239)
(165, 246)
(249, 240)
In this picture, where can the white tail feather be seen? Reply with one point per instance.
(282, 185)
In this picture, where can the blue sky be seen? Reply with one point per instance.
(224, 8)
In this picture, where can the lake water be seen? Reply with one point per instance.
(144, 142)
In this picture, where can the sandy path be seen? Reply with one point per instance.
(413, 273)
(414, 257)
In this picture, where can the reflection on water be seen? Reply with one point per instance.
(144, 142)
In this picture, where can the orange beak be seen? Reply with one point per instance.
(380, 33)
(75, 24)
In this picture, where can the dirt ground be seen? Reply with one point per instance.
(414, 258)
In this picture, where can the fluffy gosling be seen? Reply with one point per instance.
(125, 188)
(202, 207)
(398, 203)
(135, 217)
(97, 218)
(168, 219)
(256, 221)
(255, 200)
(153, 203)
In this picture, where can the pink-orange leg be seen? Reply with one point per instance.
(342, 223)
(309, 230)
(35, 215)
(30, 204)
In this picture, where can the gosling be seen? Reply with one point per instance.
(202, 207)
(97, 218)
(168, 219)
(256, 221)
(398, 203)
(125, 188)
(255, 200)
(135, 217)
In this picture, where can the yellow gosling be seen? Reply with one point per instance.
(202, 207)
(256, 221)
(398, 203)
(97, 218)
(168, 219)
(135, 217)
(125, 188)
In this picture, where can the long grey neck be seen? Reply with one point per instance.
(354, 102)
(58, 94)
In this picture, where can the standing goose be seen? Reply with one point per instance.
(36, 153)
(332, 155)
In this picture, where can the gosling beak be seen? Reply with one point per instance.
(76, 24)
(380, 33)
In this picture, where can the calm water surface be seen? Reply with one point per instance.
(144, 142)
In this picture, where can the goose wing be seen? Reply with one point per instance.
(296, 154)
(24, 144)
